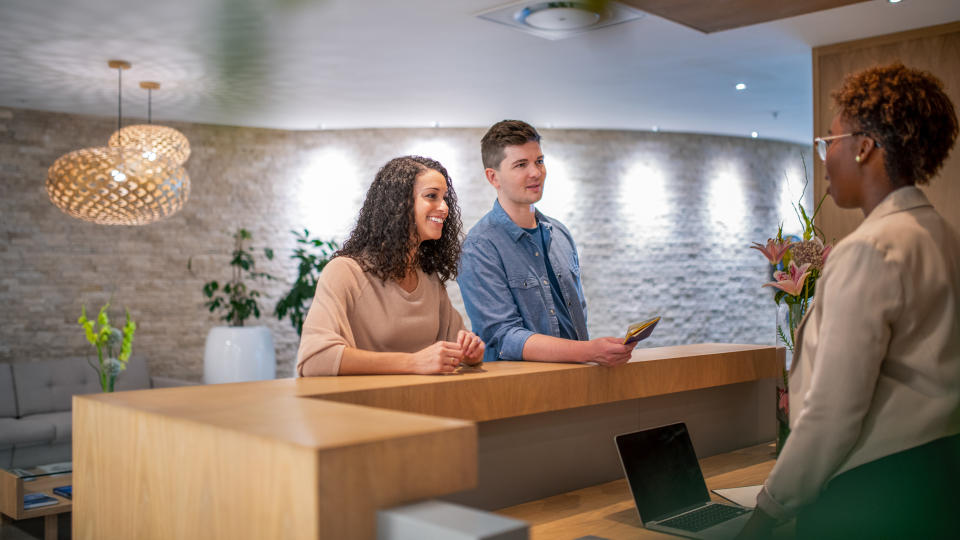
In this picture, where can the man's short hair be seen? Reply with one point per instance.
(501, 135)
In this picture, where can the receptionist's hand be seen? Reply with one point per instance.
(609, 351)
(472, 347)
(758, 527)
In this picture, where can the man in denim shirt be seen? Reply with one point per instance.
(519, 269)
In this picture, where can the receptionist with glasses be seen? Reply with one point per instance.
(874, 450)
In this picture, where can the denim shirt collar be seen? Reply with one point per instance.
(515, 231)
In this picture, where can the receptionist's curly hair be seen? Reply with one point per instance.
(907, 112)
(385, 232)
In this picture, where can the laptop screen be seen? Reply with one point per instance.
(662, 470)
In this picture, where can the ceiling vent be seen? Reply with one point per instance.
(559, 20)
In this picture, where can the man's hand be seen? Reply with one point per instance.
(472, 347)
(441, 357)
(609, 351)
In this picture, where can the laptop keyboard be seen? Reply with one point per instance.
(703, 518)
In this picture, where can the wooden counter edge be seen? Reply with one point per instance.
(531, 391)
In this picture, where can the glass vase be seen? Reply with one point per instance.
(108, 374)
(788, 318)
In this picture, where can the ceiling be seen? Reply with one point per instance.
(339, 64)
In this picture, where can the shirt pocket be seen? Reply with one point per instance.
(523, 282)
(527, 293)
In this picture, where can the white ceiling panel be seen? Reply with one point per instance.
(303, 64)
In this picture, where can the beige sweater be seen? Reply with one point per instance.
(877, 365)
(353, 308)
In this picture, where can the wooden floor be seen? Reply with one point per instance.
(607, 510)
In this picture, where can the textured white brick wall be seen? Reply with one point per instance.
(662, 221)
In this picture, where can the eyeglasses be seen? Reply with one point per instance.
(823, 143)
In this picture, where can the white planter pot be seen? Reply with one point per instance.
(237, 354)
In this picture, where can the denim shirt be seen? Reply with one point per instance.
(505, 288)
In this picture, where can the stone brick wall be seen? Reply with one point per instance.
(662, 221)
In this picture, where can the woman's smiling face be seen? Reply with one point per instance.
(429, 207)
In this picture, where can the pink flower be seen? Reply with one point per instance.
(783, 401)
(826, 251)
(774, 250)
(792, 282)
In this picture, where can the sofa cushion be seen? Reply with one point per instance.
(8, 404)
(49, 385)
(135, 377)
(62, 423)
(14, 431)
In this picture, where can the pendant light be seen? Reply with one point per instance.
(161, 140)
(117, 185)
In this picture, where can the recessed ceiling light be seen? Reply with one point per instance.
(436, 124)
(548, 16)
(894, 1)
(559, 20)
(754, 134)
(740, 86)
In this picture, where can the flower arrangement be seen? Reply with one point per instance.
(797, 264)
(111, 359)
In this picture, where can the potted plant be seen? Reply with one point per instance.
(312, 255)
(113, 345)
(237, 353)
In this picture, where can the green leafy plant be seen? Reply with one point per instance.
(235, 299)
(312, 255)
(114, 346)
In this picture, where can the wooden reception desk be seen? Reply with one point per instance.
(316, 458)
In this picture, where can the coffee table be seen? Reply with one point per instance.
(15, 483)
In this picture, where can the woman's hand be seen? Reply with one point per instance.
(441, 357)
(472, 347)
(759, 526)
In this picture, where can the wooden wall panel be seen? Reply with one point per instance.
(935, 49)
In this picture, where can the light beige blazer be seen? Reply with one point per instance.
(877, 365)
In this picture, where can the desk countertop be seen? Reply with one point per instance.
(374, 441)
(608, 511)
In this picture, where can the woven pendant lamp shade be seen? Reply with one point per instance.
(117, 186)
(160, 140)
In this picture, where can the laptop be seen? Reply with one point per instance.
(668, 487)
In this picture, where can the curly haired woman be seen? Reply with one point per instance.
(874, 450)
(381, 305)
